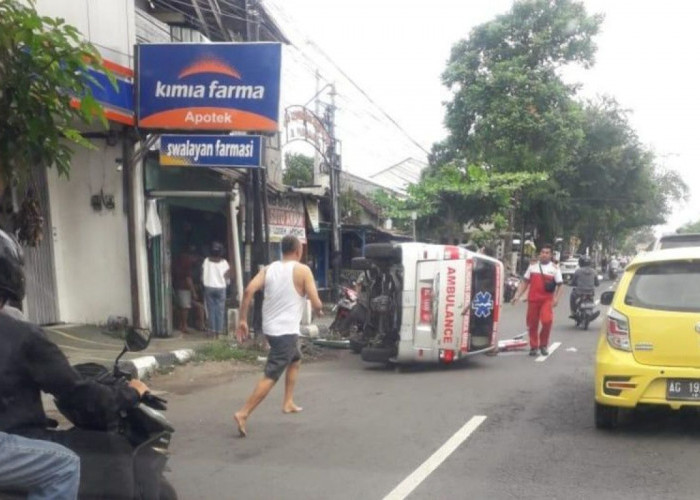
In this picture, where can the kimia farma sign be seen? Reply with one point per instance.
(212, 86)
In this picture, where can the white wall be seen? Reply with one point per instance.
(92, 250)
(108, 24)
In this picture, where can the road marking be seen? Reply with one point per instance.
(552, 348)
(433, 462)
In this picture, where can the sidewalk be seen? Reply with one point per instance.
(94, 344)
(89, 343)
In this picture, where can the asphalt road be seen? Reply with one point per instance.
(369, 431)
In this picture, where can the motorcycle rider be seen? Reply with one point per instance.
(31, 363)
(45, 471)
(584, 281)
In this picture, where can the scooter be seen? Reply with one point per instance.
(144, 426)
(585, 310)
(342, 309)
(511, 287)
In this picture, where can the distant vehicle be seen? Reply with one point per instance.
(428, 303)
(648, 349)
(568, 267)
(675, 241)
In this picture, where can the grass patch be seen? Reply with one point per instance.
(222, 350)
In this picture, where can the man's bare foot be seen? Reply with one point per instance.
(292, 408)
(240, 422)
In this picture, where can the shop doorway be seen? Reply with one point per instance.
(192, 232)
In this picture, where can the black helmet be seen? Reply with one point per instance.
(584, 261)
(11, 268)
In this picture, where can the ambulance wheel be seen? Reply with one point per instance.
(377, 354)
(356, 347)
(382, 251)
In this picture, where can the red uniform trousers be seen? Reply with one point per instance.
(539, 311)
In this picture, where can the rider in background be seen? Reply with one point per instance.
(584, 281)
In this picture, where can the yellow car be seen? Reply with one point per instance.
(649, 348)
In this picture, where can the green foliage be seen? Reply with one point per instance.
(523, 151)
(690, 227)
(613, 182)
(510, 109)
(299, 170)
(222, 350)
(453, 194)
(43, 65)
(350, 208)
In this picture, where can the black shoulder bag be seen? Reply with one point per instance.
(549, 286)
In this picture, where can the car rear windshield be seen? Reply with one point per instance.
(680, 242)
(667, 286)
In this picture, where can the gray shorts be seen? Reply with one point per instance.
(284, 350)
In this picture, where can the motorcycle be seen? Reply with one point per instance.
(585, 309)
(144, 427)
(511, 287)
(342, 309)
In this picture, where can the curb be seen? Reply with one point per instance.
(144, 366)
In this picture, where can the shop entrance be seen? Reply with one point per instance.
(192, 232)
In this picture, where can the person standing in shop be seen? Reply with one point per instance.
(215, 274)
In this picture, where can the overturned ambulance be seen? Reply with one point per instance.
(427, 303)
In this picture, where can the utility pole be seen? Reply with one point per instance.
(334, 167)
(258, 187)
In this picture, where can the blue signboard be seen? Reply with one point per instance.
(210, 150)
(118, 102)
(211, 86)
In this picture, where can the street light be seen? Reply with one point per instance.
(414, 216)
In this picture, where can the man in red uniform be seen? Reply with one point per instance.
(543, 279)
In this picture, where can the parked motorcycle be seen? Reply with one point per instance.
(342, 309)
(511, 287)
(585, 310)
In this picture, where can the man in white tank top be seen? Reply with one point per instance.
(287, 283)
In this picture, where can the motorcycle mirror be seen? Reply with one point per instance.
(137, 339)
(606, 298)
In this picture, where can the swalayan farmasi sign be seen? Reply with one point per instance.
(210, 150)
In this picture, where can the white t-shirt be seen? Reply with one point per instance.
(213, 273)
(549, 269)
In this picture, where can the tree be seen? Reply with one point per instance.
(613, 182)
(299, 170)
(43, 67)
(510, 109)
(690, 227)
(453, 194)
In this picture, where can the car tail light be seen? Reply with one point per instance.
(447, 355)
(426, 305)
(618, 331)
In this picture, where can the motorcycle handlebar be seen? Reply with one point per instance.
(154, 401)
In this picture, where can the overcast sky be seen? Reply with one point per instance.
(396, 50)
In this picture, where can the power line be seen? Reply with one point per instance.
(320, 51)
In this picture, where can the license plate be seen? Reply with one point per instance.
(688, 389)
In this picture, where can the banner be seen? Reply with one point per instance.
(211, 86)
(287, 217)
(210, 150)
